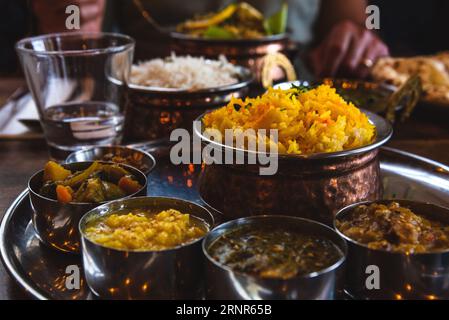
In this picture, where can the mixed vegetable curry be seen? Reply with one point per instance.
(236, 21)
(98, 183)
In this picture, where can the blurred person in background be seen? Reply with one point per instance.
(333, 29)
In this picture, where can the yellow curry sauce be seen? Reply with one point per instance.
(394, 228)
(145, 230)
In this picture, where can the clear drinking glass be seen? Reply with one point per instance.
(78, 83)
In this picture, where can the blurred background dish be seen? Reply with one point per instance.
(236, 21)
(239, 31)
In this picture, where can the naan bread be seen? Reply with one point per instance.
(433, 71)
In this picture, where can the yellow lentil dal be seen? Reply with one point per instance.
(142, 230)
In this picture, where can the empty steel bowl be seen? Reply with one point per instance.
(175, 273)
(56, 224)
(224, 283)
(152, 113)
(144, 161)
(400, 275)
(312, 186)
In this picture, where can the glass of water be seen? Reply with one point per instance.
(78, 82)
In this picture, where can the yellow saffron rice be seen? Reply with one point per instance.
(314, 121)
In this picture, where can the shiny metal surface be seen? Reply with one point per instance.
(323, 183)
(97, 153)
(41, 270)
(224, 283)
(56, 224)
(152, 113)
(402, 276)
(176, 273)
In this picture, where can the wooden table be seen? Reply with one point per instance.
(426, 134)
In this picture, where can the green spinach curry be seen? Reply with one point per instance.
(274, 252)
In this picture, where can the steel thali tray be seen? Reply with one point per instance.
(42, 271)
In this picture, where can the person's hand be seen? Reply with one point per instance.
(51, 15)
(347, 50)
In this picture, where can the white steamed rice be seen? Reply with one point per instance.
(184, 72)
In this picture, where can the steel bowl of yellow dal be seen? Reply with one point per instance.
(145, 248)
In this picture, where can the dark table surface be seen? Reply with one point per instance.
(426, 134)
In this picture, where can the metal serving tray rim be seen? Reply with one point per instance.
(5, 257)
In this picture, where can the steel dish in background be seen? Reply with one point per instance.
(176, 273)
(249, 53)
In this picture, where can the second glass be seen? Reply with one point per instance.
(78, 83)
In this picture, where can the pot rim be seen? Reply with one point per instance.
(229, 226)
(179, 36)
(384, 131)
(350, 207)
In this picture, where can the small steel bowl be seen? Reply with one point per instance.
(97, 153)
(152, 113)
(312, 186)
(224, 283)
(401, 276)
(56, 224)
(168, 274)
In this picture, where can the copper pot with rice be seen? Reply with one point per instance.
(312, 185)
(158, 102)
